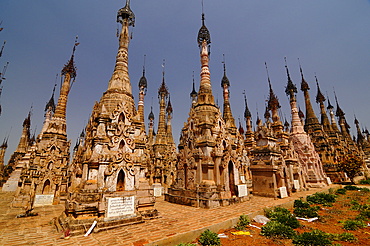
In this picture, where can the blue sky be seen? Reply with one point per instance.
(331, 38)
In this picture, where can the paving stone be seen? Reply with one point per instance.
(174, 219)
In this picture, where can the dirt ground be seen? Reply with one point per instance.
(329, 222)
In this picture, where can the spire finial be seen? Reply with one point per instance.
(144, 65)
(339, 112)
(247, 113)
(193, 93)
(2, 48)
(319, 97)
(163, 66)
(203, 34)
(143, 82)
(225, 81)
(304, 84)
(70, 66)
(268, 76)
(163, 89)
(290, 89)
(300, 68)
(126, 13)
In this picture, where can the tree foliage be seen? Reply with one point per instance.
(351, 165)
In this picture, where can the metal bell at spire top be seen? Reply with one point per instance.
(203, 34)
(126, 13)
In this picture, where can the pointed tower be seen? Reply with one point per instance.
(274, 105)
(193, 93)
(143, 84)
(311, 122)
(45, 164)
(211, 167)
(169, 112)
(360, 136)
(333, 122)
(319, 137)
(309, 159)
(115, 159)
(164, 157)
(151, 127)
(49, 112)
(249, 134)
(330, 155)
(227, 114)
(3, 148)
(163, 96)
(344, 127)
(23, 142)
(14, 169)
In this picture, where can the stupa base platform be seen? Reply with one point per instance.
(203, 198)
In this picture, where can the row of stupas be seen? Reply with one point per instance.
(118, 167)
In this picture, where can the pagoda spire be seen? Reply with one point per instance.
(273, 102)
(227, 114)
(344, 127)
(151, 127)
(193, 93)
(69, 72)
(247, 115)
(24, 140)
(290, 90)
(320, 99)
(311, 118)
(143, 84)
(49, 111)
(162, 95)
(169, 111)
(120, 80)
(333, 122)
(3, 148)
(360, 137)
(205, 95)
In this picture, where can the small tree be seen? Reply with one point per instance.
(352, 166)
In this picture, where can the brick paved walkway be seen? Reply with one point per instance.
(174, 220)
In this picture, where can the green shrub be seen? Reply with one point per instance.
(274, 229)
(365, 213)
(283, 216)
(209, 238)
(315, 237)
(345, 237)
(186, 244)
(310, 212)
(243, 222)
(353, 224)
(365, 190)
(271, 213)
(288, 219)
(340, 191)
(321, 198)
(367, 181)
(350, 187)
(301, 204)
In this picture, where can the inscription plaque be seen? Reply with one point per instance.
(120, 206)
(283, 192)
(296, 184)
(242, 190)
(43, 200)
